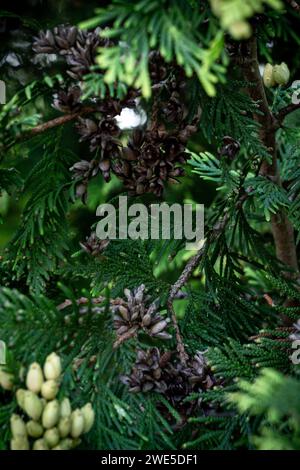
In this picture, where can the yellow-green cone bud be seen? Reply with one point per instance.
(216, 7)
(77, 423)
(240, 30)
(32, 405)
(34, 429)
(268, 76)
(49, 389)
(19, 443)
(50, 414)
(52, 437)
(66, 444)
(65, 408)
(89, 417)
(64, 426)
(34, 379)
(281, 74)
(40, 444)
(6, 379)
(17, 426)
(52, 367)
(20, 396)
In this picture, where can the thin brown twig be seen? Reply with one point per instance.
(186, 274)
(183, 278)
(59, 121)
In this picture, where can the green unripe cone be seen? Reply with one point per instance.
(32, 405)
(268, 76)
(17, 426)
(240, 30)
(65, 408)
(34, 379)
(49, 389)
(66, 444)
(52, 437)
(40, 444)
(6, 379)
(51, 414)
(34, 429)
(20, 396)
(89, 417)
(216, 7)
(64, 426)
(19, 443)
(52, 367)
(281, 74)
(77, 423)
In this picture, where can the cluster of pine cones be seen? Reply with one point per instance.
(155, 370)
(153, 155)
(149, 161)
(162, 372)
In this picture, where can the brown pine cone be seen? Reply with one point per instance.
(93, 245)
(157, 67)
(164, 373)
(230, 147)
(136, 314)
(79, 48)
(67, 101)
(102, 135)
(84, 170)
(173, 109)
(60, 40)
(147, 373)
(149, 162)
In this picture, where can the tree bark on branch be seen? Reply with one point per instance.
(282, 229)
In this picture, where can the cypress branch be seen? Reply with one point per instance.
(282, 229)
